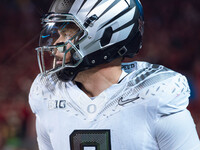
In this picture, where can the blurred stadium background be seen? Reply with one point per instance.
(171, 38)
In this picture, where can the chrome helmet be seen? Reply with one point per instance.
(105, 30)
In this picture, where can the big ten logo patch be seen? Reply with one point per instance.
(128, 67)
(56, 104)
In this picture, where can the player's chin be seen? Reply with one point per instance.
(58, 63)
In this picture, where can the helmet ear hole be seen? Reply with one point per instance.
(106, 36)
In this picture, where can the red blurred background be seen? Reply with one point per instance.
(171, 38)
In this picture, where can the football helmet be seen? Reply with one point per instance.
(105, 30)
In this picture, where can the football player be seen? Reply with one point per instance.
(84, 101)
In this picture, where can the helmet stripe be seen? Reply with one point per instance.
(110, 7)
(97, 3)
(140, 8)
(116, 17)
(81, 6)
(131, 22)
(130, 7)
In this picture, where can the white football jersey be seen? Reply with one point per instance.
(146, 110)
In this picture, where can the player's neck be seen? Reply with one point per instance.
(94, 81)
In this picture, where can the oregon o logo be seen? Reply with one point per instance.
(91, 108)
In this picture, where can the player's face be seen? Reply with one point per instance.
(64, 35)
(58, 46)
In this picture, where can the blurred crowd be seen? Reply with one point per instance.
(171, 38)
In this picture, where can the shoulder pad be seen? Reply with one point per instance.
(42, 88)
(174, 95)
(35, 94)
(167, 90)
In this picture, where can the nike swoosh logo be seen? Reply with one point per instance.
(122, 102)
(45, 36)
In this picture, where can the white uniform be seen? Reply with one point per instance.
(146, 110)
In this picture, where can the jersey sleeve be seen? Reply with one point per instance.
(174, 126)
(177, 132)
(43, 138)
(173, 95)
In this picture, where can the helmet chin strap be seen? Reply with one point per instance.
(104, 56)
(69, 74)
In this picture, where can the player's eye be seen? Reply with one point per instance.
(52, 51)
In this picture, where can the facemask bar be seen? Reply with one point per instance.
(41, 61)
(78, 56)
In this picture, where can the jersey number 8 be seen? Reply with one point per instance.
(90, 140)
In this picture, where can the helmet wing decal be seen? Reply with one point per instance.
(97, 3)
(116, 17)
(81, 6)
(110, 7)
